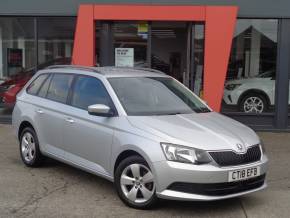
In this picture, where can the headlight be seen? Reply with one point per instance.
(232, 86)
(183, 154)
(11, 86)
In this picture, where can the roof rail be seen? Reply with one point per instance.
(149, 70)
(143, 68)
(77, 67)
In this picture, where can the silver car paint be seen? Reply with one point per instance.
(94, 143)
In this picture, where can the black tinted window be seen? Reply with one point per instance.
(88, 91)
(35, 85)
(59, 87)
(43, 90)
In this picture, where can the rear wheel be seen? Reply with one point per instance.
(135, 184)
(29, 148)
(254, 103)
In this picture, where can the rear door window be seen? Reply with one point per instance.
(59, 87)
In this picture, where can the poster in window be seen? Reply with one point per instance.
(14, 57)
(124, 57)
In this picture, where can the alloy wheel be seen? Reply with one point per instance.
(28, 147)
(137, 183)
(253, 105)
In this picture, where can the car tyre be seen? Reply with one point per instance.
(253, 103)
(29, 148)
(134, 183)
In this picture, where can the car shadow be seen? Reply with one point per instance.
(166, 206)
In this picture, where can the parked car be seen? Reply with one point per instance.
(139, 128)
(251, 95)
(10, 87)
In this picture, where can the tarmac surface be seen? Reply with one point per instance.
(58, 190)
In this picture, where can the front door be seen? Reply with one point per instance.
(88, 138)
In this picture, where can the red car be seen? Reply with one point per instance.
(10, 88)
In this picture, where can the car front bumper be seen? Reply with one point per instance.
(169, 173)
(231, 97)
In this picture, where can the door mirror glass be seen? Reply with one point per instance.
(100, 110)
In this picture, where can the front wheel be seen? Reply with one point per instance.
(135, 184)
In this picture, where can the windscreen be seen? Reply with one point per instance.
(141, 96)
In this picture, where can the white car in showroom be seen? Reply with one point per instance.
(251, 95)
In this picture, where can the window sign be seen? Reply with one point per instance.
(124, 57)
(143, 30)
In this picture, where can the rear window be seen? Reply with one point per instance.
(36, 84)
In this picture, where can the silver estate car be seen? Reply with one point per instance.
(140, 129)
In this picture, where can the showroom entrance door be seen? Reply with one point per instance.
(175, 48)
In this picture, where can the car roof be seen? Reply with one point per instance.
(110, 71)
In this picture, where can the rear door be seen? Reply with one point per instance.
(88, 138)
(50, 107)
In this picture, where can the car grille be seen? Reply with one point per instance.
(230, 158)
(218, 189)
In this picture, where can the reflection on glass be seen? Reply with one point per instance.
(196, 80)
(55, 41)
(169, 46)
(250, 84)
(17, 59)
(130, 44)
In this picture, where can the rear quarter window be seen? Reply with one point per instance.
(36, 84)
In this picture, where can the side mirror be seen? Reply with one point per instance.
(100, 110)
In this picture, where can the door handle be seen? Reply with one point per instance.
(70, 120)
(39, 111)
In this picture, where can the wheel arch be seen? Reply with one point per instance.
(128, 151)
(22, 126)
(254, 91)
(123, 155)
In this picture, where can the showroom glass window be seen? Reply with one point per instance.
(130, 44)
(17, 57)
(251, 76)
(55, 40)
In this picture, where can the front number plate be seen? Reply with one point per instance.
(243, 174)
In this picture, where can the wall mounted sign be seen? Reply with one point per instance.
(124, 57)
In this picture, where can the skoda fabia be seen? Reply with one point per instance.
(140, 129)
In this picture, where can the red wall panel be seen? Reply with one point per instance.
(84, 41)
(219, 30)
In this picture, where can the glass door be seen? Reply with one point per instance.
(169, 48)
(196, 58)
